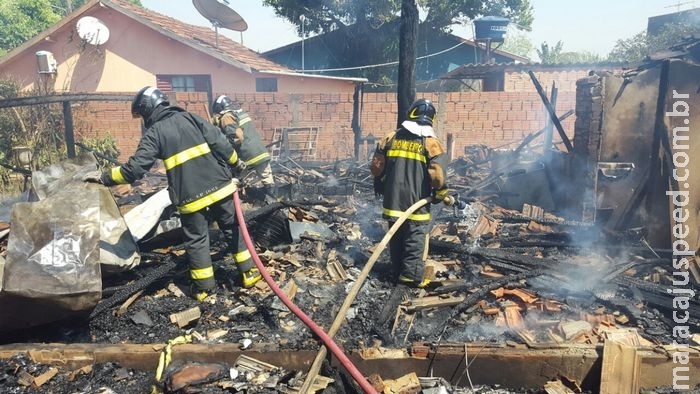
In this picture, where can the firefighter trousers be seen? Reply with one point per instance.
(407, 249)
(195, 227)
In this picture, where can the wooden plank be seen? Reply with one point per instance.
(122, 309)
(417, 304)
(509, 367)
(557, 387)
(620, 370)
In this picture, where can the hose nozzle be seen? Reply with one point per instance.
(454, 201)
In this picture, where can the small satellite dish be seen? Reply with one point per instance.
(220, 15)
(92, 30)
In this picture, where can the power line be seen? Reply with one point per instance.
(383, 64)
(679, 4)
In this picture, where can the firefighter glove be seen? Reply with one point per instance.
(378, 187)
(93, 176)
(440, 195)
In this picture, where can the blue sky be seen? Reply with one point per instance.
(589, 25)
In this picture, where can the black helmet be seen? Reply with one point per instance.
(221, 104)
(146, 100)
(422, 112)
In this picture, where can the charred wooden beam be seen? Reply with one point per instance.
(506, 256)
(551, 111)
(509, 367)
(126, 291)
(659, 296)
(60, 98)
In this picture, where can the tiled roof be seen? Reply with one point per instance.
(198, 37)
(472, 70)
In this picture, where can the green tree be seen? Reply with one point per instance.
(325, 16)
(550, 55)
(641, 45)
(65, 7)
(20, 20)
(557, 55)
(518, 44)
(367, 31)
(579, 57)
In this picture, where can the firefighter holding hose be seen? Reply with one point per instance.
(196, 158)
(409, 165)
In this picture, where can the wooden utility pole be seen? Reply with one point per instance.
(406, 89)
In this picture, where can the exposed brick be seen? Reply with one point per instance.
(491, 118)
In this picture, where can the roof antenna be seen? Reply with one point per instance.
(220, 15)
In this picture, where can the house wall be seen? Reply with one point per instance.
(128, 61)
(495, 119)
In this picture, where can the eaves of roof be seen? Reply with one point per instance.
(317, 76)
(199, 38)
(47, 33)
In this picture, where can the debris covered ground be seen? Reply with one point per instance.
(504, 277)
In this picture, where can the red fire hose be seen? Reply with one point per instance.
(327, 340)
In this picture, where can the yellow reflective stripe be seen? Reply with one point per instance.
(117, 176)
(242, 256)
(257, 158)
(406, 155)
(209, 199)
(243, 121)
(202, 273)
(415, 216)
(234, 158)
(187, 154)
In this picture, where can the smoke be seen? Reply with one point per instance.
(476, 329)
(331, 181)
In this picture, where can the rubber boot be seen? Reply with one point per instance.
(251, 277)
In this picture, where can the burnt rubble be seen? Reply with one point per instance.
(503, 277)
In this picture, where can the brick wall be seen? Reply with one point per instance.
(495, 119)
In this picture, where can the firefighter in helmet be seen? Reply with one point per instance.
(240, 130)
(409, 165)
(196, 158)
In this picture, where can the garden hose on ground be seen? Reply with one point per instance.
(327, 340)
(340, 317)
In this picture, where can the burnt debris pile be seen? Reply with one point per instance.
(506, 272)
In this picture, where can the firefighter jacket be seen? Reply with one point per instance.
(411, 167)
(241, 133)
(195, 155)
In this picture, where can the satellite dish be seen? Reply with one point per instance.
(220, 15)
(92, 30)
